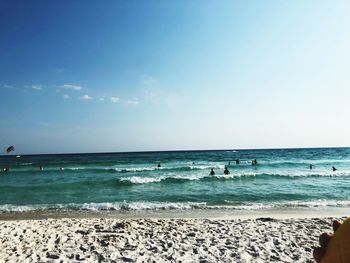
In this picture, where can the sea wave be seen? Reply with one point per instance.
(129, 180)
(106, 169)
(170, 179)
(174, 168)
(140, 206)
(236, 170)
(141, 180)
(25, 164)
(232, 176)
(105, 206)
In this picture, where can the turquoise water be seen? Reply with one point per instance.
(132, 181)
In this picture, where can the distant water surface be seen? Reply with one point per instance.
(132, 181)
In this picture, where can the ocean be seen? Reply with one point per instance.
(282, 178)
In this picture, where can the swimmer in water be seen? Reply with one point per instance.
(226, 171)
(334, 169)
(212, 171)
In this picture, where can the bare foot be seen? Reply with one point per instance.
(324, 240)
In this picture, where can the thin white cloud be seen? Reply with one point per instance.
(8, 86)
(133, 101)
(154, 92)
(65, 96)
(85, 97)
(149, 81)
(71, 87)
(151, 89)
(36, 87)
(114, 99)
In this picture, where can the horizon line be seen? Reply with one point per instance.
(181, 150)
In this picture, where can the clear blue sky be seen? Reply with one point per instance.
(95, 76)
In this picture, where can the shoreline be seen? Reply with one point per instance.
(215, 214)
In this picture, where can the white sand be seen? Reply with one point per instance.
(160, 240)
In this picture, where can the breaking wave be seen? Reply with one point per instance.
(140, 206)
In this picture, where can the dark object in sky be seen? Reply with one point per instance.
(10, 149)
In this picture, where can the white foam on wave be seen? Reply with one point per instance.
(164, 205)
(189, 177)
(99, 206)
(232, 205)
(76, 168)
(305, 162)
(309, 173)
(136, 169)
(142, 180)
(146, 180)
(232, 175)
(321, 203)
(17, 208)
(105, 206)
(206, 167)
(24, 164)
(136, 206)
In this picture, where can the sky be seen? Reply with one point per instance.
(113, 76)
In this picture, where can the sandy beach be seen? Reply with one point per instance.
(262, 239)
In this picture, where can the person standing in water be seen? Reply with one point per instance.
(159, 165)
(334, 169)
(226, 171)
(311, 166)
(212, 171)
